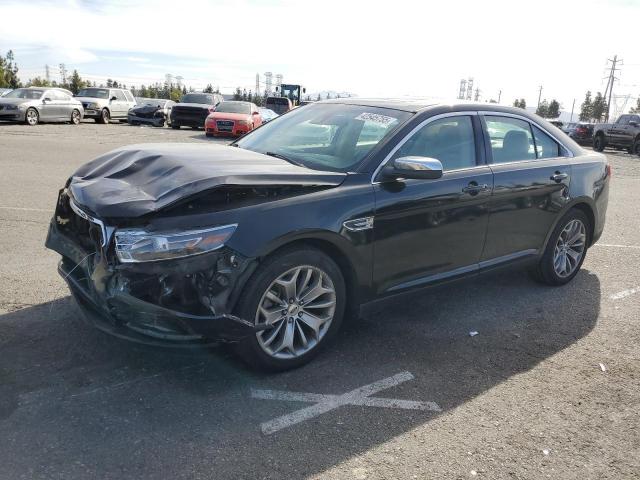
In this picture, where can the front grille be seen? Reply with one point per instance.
(224, 125)
(145, 114)
(1, 107)
(85, 104)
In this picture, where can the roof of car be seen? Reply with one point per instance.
(420, 103)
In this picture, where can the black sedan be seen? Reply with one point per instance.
(272, 241)
(150, 111)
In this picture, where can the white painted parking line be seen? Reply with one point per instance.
(625, 293)
(325, 403)
(613, 245)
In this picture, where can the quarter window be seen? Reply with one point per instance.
(128, 96)
(449, 140)
(546, 147)
(511, 139)
(119, 95)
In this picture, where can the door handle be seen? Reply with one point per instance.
(473, 188)
(559, 176)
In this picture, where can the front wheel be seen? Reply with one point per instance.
(75, 117)
(598, 143)
(565, 251)
(636, 147)
(175, 127)
(104, 116)
(31, 117)
(297, 298)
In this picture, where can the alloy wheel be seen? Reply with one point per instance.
(569, 248)
(32, 117)
(75, 117)
(297, 310)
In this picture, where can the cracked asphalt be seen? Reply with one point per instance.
(549, 388)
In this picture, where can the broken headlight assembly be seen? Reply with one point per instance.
(137, 245)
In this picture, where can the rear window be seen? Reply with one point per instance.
(198, 98)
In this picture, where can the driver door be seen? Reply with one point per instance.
(430, 230)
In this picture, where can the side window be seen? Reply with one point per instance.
(623, 120)
(128, 96)
(511, 139)
(449, 140)
(546, 147)
(119, 95)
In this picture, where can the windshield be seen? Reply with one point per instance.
(197, 98)
(234, 107)
(27, 93)
(150, 101)
(325, 136)
(94, 93)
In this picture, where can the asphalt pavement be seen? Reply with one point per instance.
(548, 388)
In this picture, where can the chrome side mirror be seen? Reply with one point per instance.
(423, 168)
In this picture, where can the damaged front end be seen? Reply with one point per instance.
(183, 300)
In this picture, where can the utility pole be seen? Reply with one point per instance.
(499, 96)
(47, 75)
(476, 97)
(572, 107)
(539, 95)
(63, 73)
(612, 78)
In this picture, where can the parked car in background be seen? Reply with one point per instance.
(624, 134)
(267, 114)
(568, 127)
(279, 105)
(150, 111)
(106, 104)
(269, 242)
(34, 104)
(582, 133)
(193, 109)
(556, 123)
(232, 118)
(4, 91)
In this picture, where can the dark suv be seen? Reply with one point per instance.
(193, 109)
(271, 241)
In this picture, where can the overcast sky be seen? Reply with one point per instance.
(389, 48)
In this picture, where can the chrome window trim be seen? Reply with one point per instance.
(488, 113)
(414, 131)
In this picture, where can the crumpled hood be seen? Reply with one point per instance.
(146, 109)
(139, 179)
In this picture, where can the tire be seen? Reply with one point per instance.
(636, 147)
(266, 349)
(31, 117)
(208, 134)
(104, 116)
(550, 266)
(194, 128)
(175, 127)
(75, 117)
(598, 143)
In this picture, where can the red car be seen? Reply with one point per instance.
(232, 118)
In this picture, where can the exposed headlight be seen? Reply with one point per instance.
(93, 106)
(137, 245)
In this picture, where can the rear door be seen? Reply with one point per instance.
(429, 230)
(119, 106)
(532, 172)
(619, 130)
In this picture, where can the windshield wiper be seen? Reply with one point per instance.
(283, 157)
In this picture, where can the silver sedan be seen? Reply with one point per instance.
(34, 104)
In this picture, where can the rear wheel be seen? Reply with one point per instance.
(104, 116)
(598, 143)
(565, 251)
(75, 117)
(298, 299)
(31, 117)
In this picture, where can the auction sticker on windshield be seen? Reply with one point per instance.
(376, 118)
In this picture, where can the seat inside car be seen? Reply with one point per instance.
(515, 146)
